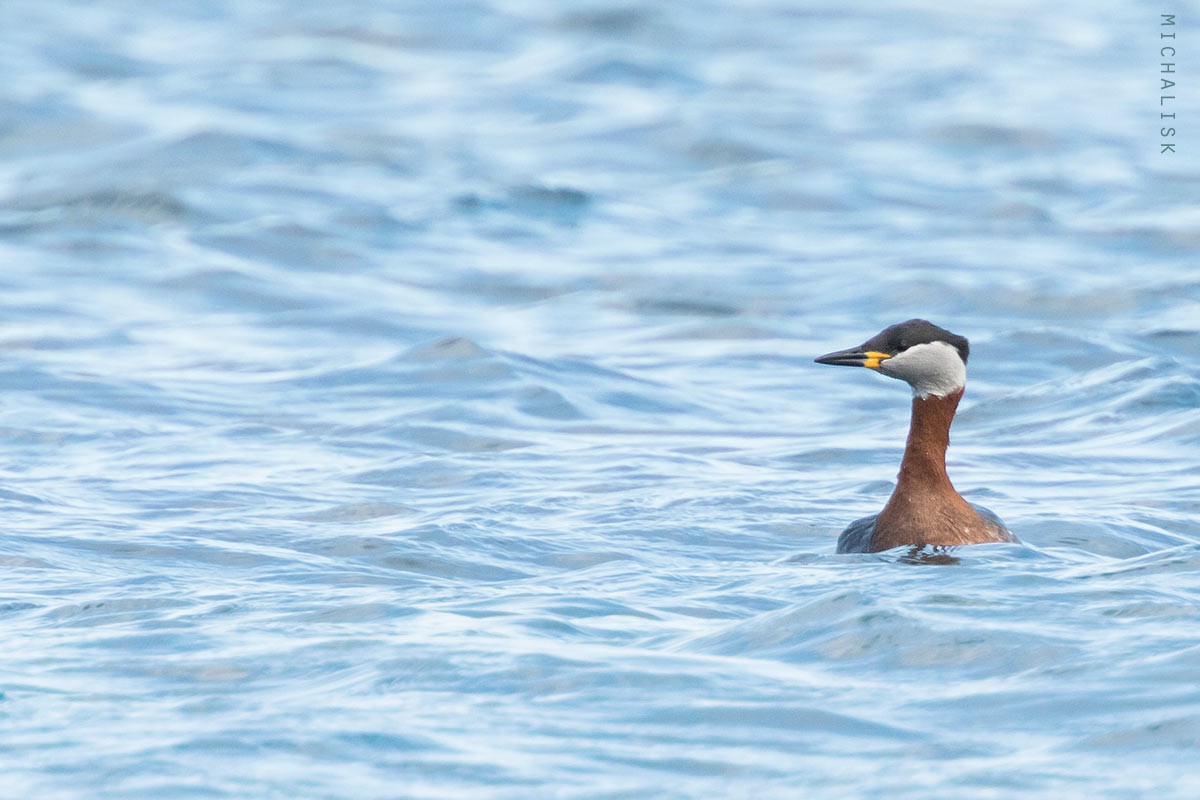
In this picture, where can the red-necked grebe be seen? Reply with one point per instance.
(924, 508)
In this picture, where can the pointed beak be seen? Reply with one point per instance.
(854, 357)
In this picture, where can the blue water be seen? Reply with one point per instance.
(416, 400)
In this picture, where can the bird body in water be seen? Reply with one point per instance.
(924, 509)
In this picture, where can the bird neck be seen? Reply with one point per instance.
(928, 437)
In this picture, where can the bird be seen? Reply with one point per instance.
(924, 509)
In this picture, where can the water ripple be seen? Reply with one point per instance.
(421, 396)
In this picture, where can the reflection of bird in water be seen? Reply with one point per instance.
(924, 508)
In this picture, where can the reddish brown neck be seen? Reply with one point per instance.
(928, 437)
(924, 509)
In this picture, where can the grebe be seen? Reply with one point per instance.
(924, 508)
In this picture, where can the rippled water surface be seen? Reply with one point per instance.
(416, 400)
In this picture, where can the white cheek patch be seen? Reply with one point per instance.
(930, 369)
